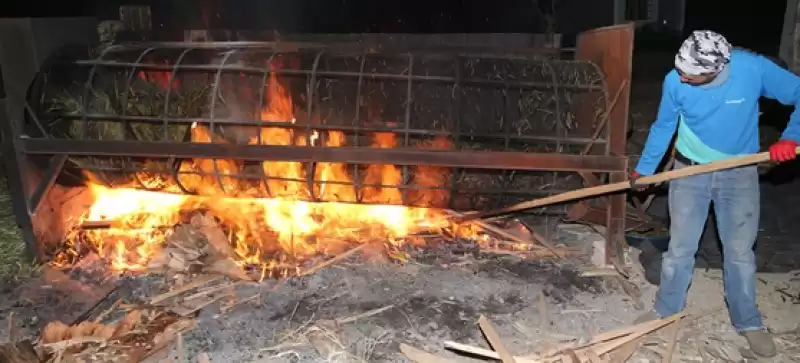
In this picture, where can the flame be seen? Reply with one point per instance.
(264, 230)
(160, 78)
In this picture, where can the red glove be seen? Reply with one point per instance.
(783, 150)
(635, 175)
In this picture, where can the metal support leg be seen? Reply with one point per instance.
(17, 174)
(615, 224)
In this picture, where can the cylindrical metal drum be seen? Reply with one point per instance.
(311, 95)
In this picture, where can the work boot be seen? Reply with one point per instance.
(761, 343)
(648, 316)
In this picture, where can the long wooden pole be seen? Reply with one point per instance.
(623, 186)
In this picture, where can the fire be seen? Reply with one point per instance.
(265, 229)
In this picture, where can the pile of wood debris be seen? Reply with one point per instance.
(198, 246)
(143, 332)
(201, 266)
(616, 346)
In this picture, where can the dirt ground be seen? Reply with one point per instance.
(360, 310)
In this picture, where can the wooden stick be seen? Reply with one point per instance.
(490, 228)
(200, 281)
(334, 260)
(624, 185)
(543, 241)
(594, 357)
(180, 349)
(625, 352)
(365, 314)
(647, 328)
(672, 342)
(212, 290)
(420, 356)
(483, 352)
(494, 340)
(227, 308)
(643, 207)
(610, 340)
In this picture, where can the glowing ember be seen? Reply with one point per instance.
(263, 230)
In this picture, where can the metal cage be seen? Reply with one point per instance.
(258, 107)
(455, 128)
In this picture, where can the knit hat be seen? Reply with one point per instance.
(704, 52)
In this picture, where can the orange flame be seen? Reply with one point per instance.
(263, 228)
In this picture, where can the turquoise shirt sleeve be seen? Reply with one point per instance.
(662, 130)
(783, 86)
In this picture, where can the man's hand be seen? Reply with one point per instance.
(638, 188)
(783, 150)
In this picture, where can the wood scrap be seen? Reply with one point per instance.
(594, 357)
(482, 352)
(202, 357)
(673, 340)
(58, 331)
(180, 348)
(197, 282)
(496, 230)
(505, 234)
(612, 336)
(420, 356)
(365, 314)
(615, 346)
(212, 290)
(214, 235)
(12, 328)
(104, 314)
(610, 345)
(334, 260)
(571, 356)
(598, 271)
(494, 340)
(170, 333)
(228, 307)
(182, 250)
(229, 268)
(186, 308)
(544, 316)
(625, 352)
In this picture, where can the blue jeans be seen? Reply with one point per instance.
(736, 197)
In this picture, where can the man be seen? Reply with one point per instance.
(711, 99)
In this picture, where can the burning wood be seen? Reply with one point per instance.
(224, 227)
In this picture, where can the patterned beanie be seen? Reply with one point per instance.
(704, 52)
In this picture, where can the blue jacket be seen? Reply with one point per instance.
(720, 120)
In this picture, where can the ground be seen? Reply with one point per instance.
(360, 310)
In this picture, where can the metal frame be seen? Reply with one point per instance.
(24, 44)
(25, 146)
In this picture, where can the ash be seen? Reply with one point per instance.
(297, 319)
(360, 310)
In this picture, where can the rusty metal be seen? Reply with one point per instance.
(516, 116)
(511, 125)
(611, 48)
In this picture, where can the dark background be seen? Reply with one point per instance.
(755, 27)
